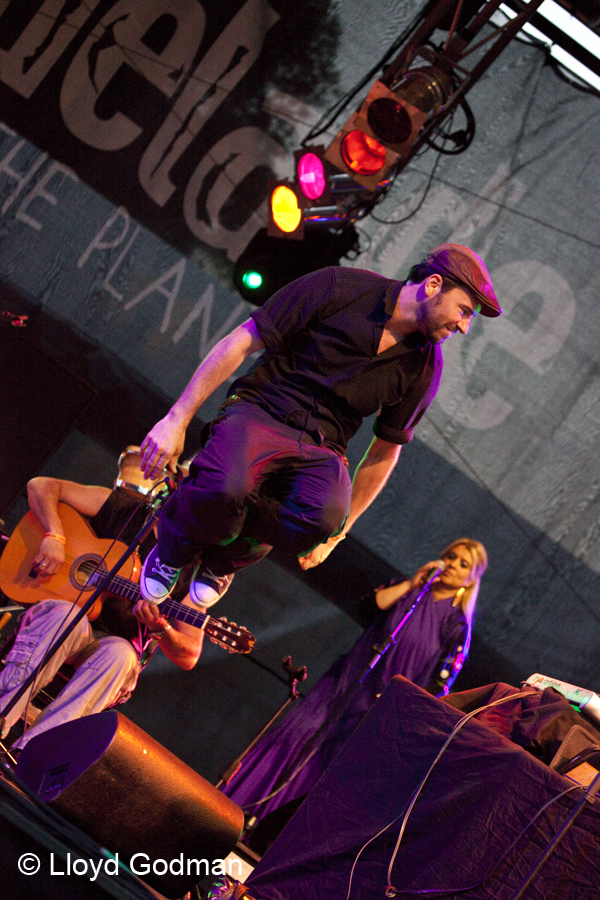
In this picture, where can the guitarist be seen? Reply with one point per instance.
(108, 655)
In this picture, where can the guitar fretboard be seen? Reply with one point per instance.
(123, 587)
(169, 607)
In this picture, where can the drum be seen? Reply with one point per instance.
(131, 478)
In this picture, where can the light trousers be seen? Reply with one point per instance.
(107, 668)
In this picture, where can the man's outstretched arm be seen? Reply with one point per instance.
(164, 443)
(369, 480)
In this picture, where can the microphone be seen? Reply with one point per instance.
(432, 573)
(160, 492)
(438, 567)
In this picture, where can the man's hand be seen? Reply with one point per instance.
(44, 495)
(320, 553)
(49, 557)
(149, 615)
(183, 643)
(164, 444)
(162, 447)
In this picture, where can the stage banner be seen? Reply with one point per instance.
(160, 104)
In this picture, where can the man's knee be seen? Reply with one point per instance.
(304, 531)
(110, 654)
(39, 628)
(230, 491)
(51, 613)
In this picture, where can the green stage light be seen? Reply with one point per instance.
(252, 279)
(278, 261)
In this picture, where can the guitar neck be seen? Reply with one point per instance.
(232, 637)
(122, 587)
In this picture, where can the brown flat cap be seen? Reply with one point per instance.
(465, 266)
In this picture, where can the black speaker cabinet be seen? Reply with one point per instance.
(131, 795)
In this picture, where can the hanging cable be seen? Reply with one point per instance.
(331, 114)
(461, 138)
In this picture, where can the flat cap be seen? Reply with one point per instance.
(463, 265)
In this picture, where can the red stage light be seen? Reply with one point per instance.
(389, 120)
(362, 153)
(311, 176)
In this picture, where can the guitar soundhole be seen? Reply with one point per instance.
(82, 570)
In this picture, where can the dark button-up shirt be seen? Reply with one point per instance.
(320, 371)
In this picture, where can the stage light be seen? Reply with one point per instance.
(279, 261)
(285, 211)
(361, 153)
(311, 175)
(321, 196)
(387, 125)
(307, 199)
(252, 279)
(577, 36)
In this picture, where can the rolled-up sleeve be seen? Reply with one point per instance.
(396, 423)
(294, 306)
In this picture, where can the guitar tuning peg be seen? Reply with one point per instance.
(234, 624)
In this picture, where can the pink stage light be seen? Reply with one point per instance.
(311, 176)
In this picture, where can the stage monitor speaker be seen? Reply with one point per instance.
(131, 795)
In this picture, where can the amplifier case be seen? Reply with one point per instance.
(129, 793)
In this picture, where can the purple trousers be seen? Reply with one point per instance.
(256, 484)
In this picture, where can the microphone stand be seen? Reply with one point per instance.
(31, 678)
(383, 648)
(295, 675)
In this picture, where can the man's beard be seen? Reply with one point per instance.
(428, 322)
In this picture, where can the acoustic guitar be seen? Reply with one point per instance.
(88, 559)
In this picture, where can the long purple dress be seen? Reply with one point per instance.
(434, 631)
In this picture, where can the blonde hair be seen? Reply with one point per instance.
(468, 597)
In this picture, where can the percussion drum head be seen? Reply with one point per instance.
(131, 479)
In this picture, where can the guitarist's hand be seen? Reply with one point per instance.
(182, 643)
(49, 557)
(162, 446)
(149, 615)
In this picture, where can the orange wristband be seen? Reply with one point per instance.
(56, 537)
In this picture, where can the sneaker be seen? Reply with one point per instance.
(157, 579)
(206, 589)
